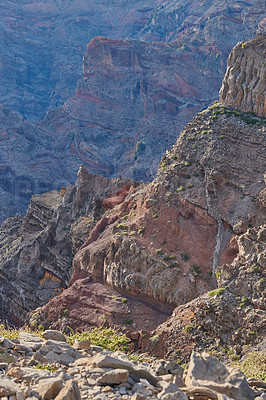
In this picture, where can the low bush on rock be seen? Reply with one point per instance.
(103, 337)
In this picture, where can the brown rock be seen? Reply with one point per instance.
(82, 345)
(49, 388)
(16, 372)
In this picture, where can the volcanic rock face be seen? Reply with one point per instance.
(134, 97)
(246, 90)
(168, 242)
(128, 108)
(231, 317)
(42, 45)
(217, 24)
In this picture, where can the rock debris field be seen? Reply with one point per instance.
(34, 367)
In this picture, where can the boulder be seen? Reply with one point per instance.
(171, 392)
(49, 388)
(114, 377)
(69, 392)
(9, 388)
(141, 389)
(30, 340)
(51, 334)
(106, 361)
(56, 351)
(83, 345)
(206, 371)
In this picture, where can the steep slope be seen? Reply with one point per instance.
(168, 241)
(134, 97)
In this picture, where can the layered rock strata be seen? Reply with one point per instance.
(37, 250)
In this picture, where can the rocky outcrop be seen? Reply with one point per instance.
(134, 97)
(246, 89)
(169, 243)
(37, 250)
(42, 44)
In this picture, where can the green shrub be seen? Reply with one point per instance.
(189, 328)
(159, 251)
(103, 337)
(121, 226)
(185, 257)
(196, 270)
(253, 366)
(46, 367)
(140, 148)
(9, 333)
(216, 292)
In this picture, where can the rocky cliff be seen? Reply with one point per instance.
(246, 90)
(37, 250)
(170, 243)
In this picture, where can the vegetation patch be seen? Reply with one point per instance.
(104, 337)
(140, 148)
(216, 292)
(253, 366)
(185, 257)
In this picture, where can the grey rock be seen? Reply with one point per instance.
(52, 334)
(30, 340)
(141, 389)
(55, 351)
(114, 377)
(9, 388)
(171, 392)
(101, 360)
(205, 370)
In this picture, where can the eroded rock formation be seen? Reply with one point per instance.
(246, 90)
(37, 250)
